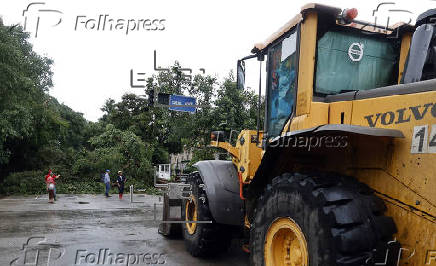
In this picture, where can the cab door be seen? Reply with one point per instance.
(281, 82)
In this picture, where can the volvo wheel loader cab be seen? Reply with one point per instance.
(344, 171)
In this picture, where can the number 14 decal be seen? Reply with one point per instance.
(420, 142)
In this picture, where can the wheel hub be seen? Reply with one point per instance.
(285, 244)
(191, 214)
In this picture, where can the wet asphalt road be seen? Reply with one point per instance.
(92, 230)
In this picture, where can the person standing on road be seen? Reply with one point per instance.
(52, 181)
(107, 183)
(49, 180)
(121, 180)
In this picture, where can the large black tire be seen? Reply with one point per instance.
(341, 219)
(209, 239)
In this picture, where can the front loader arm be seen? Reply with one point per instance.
(228, 147)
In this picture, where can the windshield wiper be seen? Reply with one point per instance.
(345, 91)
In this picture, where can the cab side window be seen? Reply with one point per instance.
(282, 80)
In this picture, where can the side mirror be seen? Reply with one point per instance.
(240, 75)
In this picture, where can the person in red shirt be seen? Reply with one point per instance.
(48, 175)
(50, 179)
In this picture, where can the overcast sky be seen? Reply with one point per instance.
(92, 65)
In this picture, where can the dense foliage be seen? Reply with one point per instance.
(37, 132)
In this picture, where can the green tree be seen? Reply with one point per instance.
(24, 79)
(236, 108)
(36, 131)
(118, 150)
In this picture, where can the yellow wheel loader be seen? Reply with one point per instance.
(344, 170)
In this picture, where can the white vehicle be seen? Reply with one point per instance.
(164, 171)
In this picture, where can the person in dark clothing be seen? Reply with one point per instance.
(121, 180)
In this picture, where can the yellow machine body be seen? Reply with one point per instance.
(246, 154)
(404, 178)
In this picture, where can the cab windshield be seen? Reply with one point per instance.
(350, 61)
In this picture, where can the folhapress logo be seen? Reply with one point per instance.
(36, 14)
(104, 256)
(107, 23)
(38, 252)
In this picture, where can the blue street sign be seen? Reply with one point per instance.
(182, 100)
